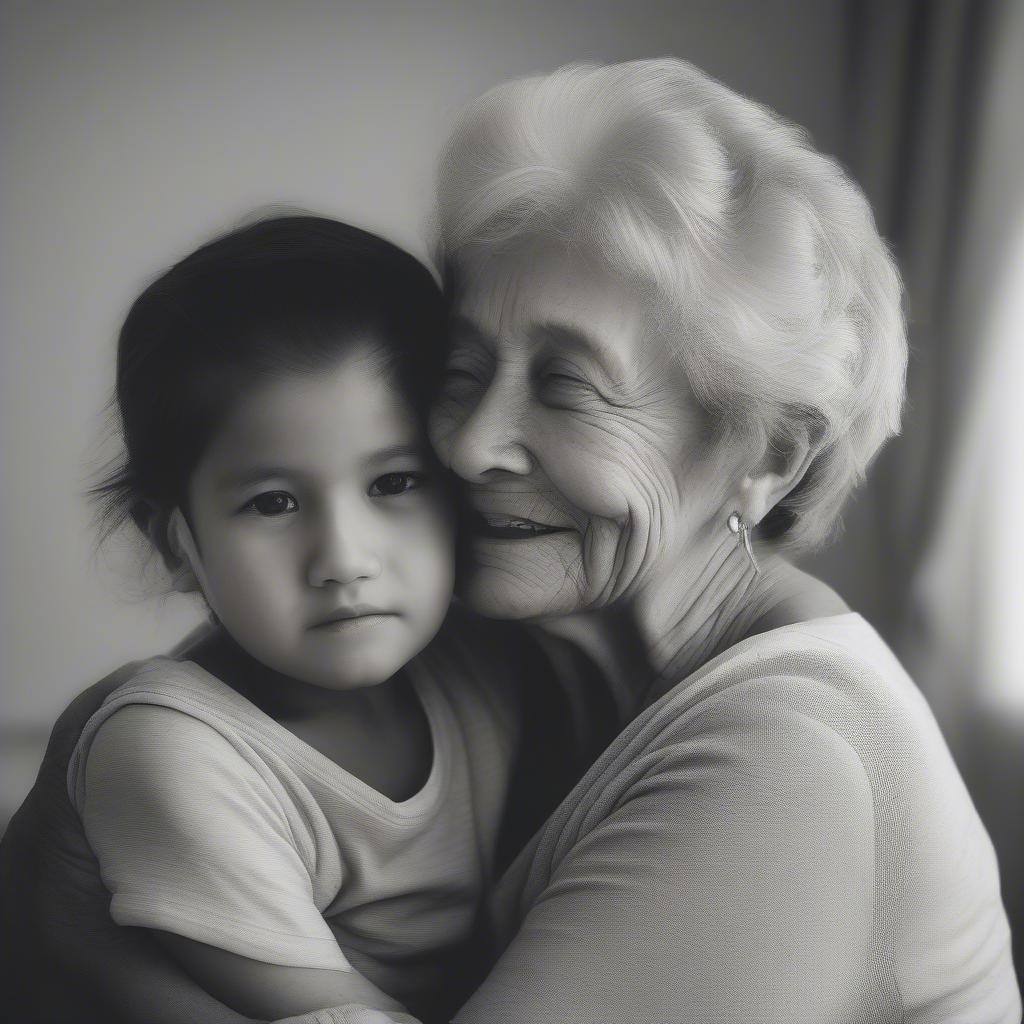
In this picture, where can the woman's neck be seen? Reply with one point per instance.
(690, 615)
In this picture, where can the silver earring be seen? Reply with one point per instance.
(737, 526)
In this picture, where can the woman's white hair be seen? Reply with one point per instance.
(762, 260)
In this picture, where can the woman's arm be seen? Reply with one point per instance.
(730, 877)
(725, 874)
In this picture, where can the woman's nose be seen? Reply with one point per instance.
(490, 438)
(343, 552)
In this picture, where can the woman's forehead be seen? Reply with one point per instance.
(548, 298)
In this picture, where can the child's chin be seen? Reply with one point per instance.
(355, 675)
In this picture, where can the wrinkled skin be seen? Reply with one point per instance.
(561, 405)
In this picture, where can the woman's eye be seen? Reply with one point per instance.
(391, 484)
(457, 375)
(560, 384)
(273, 503)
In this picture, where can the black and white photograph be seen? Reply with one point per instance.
(513, 511)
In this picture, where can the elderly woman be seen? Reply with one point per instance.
(676, 346)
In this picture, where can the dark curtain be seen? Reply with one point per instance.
(912, 71)
(919, 87)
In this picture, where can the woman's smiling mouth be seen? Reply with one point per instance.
(499, 526)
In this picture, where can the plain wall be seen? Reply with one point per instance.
(131, 131)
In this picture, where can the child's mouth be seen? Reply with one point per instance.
(360, 615)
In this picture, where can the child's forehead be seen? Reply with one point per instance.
(347, 411)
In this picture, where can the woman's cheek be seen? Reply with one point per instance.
(595, 472)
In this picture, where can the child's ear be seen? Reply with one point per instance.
(173, 538)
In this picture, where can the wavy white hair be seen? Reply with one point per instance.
(762, 260)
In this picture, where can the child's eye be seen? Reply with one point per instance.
(273, 503)
(391, 484)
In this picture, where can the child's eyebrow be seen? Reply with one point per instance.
(254, 474)
(251, 475)
(397, 451)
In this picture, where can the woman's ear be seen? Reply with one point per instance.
(173, 539)
(776, 475)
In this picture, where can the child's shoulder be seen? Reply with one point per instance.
(165, 677)
(164, 716)
(160, 775)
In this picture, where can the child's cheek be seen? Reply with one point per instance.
(253, 583)
(429, 562)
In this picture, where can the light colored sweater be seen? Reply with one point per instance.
(782, 837)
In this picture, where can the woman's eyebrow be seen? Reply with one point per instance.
(467, 332)
(575, 337)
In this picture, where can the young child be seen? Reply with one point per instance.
(304, 810)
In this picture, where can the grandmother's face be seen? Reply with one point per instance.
(587, 456)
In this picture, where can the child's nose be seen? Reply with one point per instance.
(344, 552)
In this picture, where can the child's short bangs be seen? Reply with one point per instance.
(287, 295)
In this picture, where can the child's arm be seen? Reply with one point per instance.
(270, 991)
(63, 956)
(203, 850)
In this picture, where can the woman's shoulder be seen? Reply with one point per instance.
(837, 669)
(826, 708)
(796, 695)
(827, 693)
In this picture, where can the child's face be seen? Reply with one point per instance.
(325, 535)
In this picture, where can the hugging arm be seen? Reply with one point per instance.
(274, 991)
(731, 879)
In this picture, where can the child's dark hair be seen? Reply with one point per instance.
(279, 296)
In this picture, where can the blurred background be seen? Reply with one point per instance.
(133, 130)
